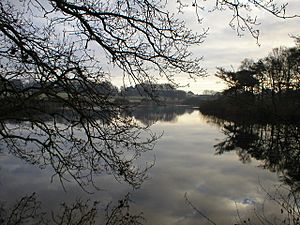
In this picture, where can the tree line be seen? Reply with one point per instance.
(278, 74)
(267, 88)
(13, 86)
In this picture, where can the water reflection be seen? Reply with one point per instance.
(78, 145)
(28, 210)
(276, 146)
(149, 115)
(185, 163)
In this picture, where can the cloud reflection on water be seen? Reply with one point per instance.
(185, 163)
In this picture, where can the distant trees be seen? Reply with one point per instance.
(104, 88)
(208, 92)
(156, 91)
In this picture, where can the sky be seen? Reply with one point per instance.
(224, 48)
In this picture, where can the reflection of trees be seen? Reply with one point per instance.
(277, 146)
(150, 114)
(28, 210)
(76, 144)
(51, 51)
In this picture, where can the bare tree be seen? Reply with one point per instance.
(58, 49)
(244, 18)
(51, 43)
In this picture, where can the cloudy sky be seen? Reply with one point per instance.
(223, 47)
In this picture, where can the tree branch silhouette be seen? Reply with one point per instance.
(28, 210)
(53, 56)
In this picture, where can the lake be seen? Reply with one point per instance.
(206, 171)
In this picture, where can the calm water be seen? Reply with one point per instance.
(221, 167)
